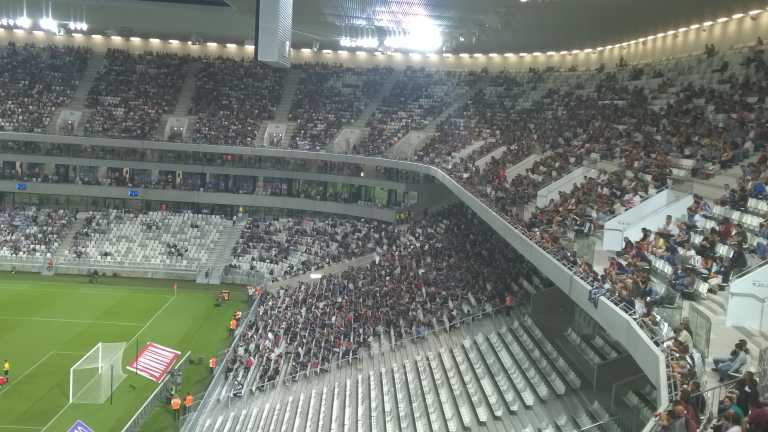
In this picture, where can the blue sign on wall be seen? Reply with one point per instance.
(21, 186)
(133, 193)
(79, 426)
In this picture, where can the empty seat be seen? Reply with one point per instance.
(264, 420)
(335, 407)
(289, 416)
(499, 375)
(512, 370)
(420, 419)
(302, 410)
(550, 350)
(457, 388)
(375, 404)
(431, 399)
(530, 371)
(539, 359)
(486, 382)
(389, 404)
(348, 406)
(453, 419)
(322, 421)
(363, 405)
(275, 418)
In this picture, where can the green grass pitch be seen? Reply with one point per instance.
(48, 324)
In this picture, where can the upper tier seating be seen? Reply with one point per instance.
(35, 81)
(330, 97)
(132, 91)
(232, 99)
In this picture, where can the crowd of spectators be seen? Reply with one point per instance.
(329, 97)
(32, 232)
(233, 98)
(286, 247)
(131, 93)
(416, 98)
(35, 81)
(425, 276)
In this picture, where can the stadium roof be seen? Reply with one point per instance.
(474, 25)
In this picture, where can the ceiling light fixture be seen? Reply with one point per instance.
(722, 20)
(755, 12)
(737, 16)
(706, 23)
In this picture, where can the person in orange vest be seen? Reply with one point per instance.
(238, 315)
(176, 407)
(232, 326)
(188, 404)
(212, 364)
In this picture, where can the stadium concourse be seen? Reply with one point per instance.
(439, 331)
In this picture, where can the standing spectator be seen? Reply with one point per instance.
(176, 407)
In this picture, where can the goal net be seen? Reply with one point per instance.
(95, 376)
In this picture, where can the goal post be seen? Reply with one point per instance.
(95, 376)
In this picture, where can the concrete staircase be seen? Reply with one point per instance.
(416, 139)
(371, 108)
(52, 128)
(221, 256)
(81, 94)
(290, 84)
(66, 244)
(184, 103)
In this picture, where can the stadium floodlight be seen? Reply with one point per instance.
(49, 24)
(95, 376)
(24, 22)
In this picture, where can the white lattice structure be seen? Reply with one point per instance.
(156, 239)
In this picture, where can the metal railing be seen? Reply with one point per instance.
(154, 399)
(708, 407)
(395, 345)
(200, 411)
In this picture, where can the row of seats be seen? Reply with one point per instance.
(584, 348)
(450, 389)
(156, 239)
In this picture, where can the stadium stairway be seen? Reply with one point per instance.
(66, 243)
(81, 94)
(184, 102)
(489, 375)
(416, 139)
(371, 108)
(222, 254)
(290, 85)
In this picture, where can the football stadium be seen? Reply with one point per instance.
(383, 216)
